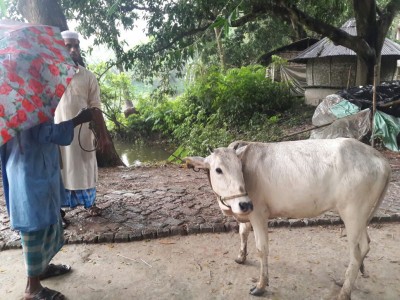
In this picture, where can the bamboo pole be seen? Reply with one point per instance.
(395, 102)
(348, 78)
(306, 130)
(373, 105)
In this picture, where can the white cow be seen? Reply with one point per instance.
(299, 179)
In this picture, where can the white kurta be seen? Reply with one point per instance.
(79, 170)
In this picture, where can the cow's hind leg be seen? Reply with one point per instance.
(364, 247)
(244, 230)
(359, 247)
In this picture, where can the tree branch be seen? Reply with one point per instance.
(129, 8)
(46, 12)
(338, 36)
(387, 16)
(183, 35)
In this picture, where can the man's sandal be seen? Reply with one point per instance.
(53, 270)
(65, 223)
(94, 211)
(46, 294)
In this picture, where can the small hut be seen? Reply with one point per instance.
(331, 67)
(294, 73)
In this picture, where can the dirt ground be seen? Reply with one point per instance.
(305, 263)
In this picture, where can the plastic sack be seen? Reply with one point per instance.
(354, 126)
(343, 109)
(332, 108)
(387, 128)
(345, 118)
(322, 114)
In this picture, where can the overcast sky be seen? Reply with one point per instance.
(102, 53)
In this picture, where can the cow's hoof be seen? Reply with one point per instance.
(240, 260)
(343, 296)
(256, 291)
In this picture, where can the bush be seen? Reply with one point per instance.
(216, 109)
(245, 92)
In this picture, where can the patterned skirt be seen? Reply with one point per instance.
(74, 198)
(39, 247)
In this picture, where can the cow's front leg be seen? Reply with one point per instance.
(261, 237)
(244, 230)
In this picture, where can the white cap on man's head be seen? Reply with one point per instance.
(68, 34)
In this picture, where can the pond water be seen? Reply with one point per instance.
(136, 153)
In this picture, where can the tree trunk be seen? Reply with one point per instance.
(110, 158)
(46, 12)
(221, 53)
(365, 15)
(362, 72)
(49, 12)
(299, 31)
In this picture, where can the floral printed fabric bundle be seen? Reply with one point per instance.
(35, 69)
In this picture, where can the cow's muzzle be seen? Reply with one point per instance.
(246, 206)
(223, 199)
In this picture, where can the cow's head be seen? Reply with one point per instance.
(226, 179)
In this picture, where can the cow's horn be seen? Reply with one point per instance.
(210, 149)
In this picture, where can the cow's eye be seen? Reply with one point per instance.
(218, 170)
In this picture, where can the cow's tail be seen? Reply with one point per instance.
(381, 197)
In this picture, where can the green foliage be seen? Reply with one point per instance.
(246, 91)
(178, 155)
(232, 98)
(201, 138)
(181, 31)
(234, 33)
(156, 116)
(115, 88)
(245, 44)
(215, 109)
(8, 10)
(334, 12)
(3, 8)
(216, 106)
(279, 61)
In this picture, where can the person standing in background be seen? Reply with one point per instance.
(79, 167)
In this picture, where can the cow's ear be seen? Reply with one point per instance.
(240, 151)
(196, 162)
(237, 144)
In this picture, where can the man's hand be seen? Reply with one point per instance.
(85, 115)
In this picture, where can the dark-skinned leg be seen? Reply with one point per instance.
(34, 290)
(33, 287)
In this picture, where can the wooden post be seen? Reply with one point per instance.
(348, 78)
(373, 105)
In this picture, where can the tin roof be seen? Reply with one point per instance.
(299, 46)
(326, 48)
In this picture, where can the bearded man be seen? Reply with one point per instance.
(79, 171)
